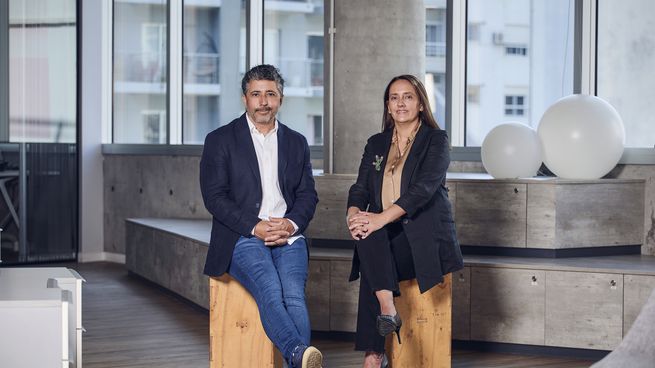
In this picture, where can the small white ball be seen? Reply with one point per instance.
(511, 150)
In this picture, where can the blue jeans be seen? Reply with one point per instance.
(276, 277)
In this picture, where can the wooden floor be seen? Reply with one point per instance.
(131, 323)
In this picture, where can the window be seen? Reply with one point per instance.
(435, 61)
(625, 62)
(42, 71)
(514, 105)
(140, 71)
(528, 84)
(293, 41)
(212, 66)
(473, 32)
(516, 50)
(315, 56)
(38, 130)
(316, 128)
(435, 33)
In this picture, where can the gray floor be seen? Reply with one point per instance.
(131, 323)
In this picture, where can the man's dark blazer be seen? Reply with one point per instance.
(428, 224)
(232, 187)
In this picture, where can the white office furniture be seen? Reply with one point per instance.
(34, 330)
(20, 282)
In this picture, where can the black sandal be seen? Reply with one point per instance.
(387, 324)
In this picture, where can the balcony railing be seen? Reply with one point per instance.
(435, 49)
(148, 67)
(301, 73)
(201, 68)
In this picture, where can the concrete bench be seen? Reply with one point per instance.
(529, 301)
(172, 252)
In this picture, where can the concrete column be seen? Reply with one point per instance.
(375, 41)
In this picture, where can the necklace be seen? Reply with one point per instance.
(396, 141)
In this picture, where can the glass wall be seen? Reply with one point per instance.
(294, 41)
(140, 71)
(625, 62)
(519, 61)
(42, 71)
(38, 152)
(213, 65)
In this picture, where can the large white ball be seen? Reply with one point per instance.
(582, 137)
(511, 150)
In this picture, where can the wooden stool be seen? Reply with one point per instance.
(426, 330)
(236, 335)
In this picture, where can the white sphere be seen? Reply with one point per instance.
(511, 150)
(582, 137)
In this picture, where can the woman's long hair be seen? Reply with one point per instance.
(424, 116)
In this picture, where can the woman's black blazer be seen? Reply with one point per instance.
(428, 224)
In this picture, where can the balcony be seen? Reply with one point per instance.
(303, 77)
(292, 6)
(435, 49)
(145, 73)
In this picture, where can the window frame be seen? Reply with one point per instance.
(515, 104)
(585, 53)
(584, 79)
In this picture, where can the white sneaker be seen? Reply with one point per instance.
(312, 358)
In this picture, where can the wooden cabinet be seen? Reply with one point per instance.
(565, 214)
(584, 310)
(343, 297)
(330, 217)
(462, 304)
(507, 305)
(491, 214)
(451, 187)
(318, 294)
(544, 213)
(331, 299)
(636, 290)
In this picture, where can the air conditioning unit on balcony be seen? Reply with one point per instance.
(497, 38)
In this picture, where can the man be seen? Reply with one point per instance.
(256, 181)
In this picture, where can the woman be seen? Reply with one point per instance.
(399, 213)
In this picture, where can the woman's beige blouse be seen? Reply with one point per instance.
(391, 180)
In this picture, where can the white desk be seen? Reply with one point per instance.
(34, 328)
(14, 281)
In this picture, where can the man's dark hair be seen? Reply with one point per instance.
(263, 72)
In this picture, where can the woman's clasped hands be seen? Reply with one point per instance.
(362, 223)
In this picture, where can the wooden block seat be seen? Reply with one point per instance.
(236, 335)
(426, 329)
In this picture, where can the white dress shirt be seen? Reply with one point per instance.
(273, 204)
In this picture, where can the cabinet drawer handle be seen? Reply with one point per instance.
(534, 278)
(612, 283)
(516, 190)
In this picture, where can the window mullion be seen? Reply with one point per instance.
(585, 80)
(456, 71)
(107, 71)
(255, 33)
(175, 83)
